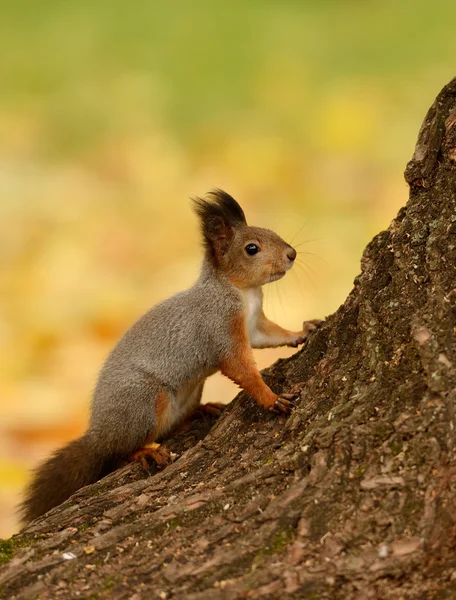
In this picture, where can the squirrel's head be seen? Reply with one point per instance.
(248, 256)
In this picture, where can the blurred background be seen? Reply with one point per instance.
(113, 113)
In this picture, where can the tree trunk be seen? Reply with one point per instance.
(351, 497)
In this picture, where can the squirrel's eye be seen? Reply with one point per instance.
(252, 249)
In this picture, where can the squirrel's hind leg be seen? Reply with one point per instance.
(188, 401)
(196, 410)
(151, 451)
(213, 409)
(156, 453)
(171, 412)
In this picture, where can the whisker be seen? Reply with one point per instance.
(271, 300)
(309, 283)
(306, 266)
(307, 272)
(314, 255)
(280, 294)
(307, 242)
(298, 232)
(277, 288)
(295, 277)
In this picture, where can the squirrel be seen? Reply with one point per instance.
(154, 377)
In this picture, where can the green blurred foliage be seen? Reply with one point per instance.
(113, 113)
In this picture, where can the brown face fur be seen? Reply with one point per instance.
(270, 263)
(227, 239)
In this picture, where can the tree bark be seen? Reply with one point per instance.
(352, 496)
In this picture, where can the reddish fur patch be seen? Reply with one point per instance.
(240, 365)
(240, 278)
(160, 456)
(161, 404)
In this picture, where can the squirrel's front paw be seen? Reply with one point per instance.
(309, 326)
(297, 341)
(284, 404)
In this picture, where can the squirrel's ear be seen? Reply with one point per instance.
(219, 215)
(217, 233)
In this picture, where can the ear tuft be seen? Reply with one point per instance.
(218, 203)
(219, 215)
(231, 210)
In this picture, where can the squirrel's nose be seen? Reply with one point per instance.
(291, 253)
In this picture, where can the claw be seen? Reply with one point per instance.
(312, 325)
(156, 453)
(297, 342)
(290, 396)
(284, 404)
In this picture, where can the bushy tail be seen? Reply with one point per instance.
(69, 468)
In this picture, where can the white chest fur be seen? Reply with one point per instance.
(253, 300)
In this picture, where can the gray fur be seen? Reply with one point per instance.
(165, 349)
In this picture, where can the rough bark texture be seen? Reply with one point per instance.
(352, 496)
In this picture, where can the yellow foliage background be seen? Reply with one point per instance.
(113, 113)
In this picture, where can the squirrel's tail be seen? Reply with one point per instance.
(70, 468)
